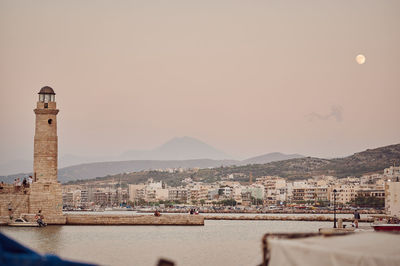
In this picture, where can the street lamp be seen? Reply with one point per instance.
(334, 208)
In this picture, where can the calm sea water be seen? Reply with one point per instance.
(215, 243)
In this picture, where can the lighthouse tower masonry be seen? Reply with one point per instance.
(46, 192)
(46, 140)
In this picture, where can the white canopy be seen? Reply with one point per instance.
(369, 249)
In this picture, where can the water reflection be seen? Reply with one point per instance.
(45, 239)
(216, 243)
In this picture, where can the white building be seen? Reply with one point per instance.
(344, 194)
(392, 172)
(136, 192)
(392, 198)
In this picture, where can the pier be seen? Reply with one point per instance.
(283, 218)
(112, 219)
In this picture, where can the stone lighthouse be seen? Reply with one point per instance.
(45, 142)
(46, 193)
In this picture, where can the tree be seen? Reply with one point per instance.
(369, 202)
(256, 201)
(228, 202)
(141, 202)
(202, 202)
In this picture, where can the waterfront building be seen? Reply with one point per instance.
(84, 203)
(344, 194)
(275, 189)
(149, 192)
(178, 194)
(371, 180)
(246, 198)
(237, 193)
(393, 172)
(198, 192)
(392, 198)
(376, 193)
(68, 199)
(298, 194)
(102, 198)
(136, 192)
(322, 193)
(225, 192)
(289, 192)
(311, 194)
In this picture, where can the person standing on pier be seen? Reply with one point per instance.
(356, 218)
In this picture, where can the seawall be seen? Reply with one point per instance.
(283, 218)
(89, 219)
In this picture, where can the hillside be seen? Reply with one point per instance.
(99, 169)
(369, 161)
(270, 157)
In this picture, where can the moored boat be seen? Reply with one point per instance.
(386, 227)
(21, 222)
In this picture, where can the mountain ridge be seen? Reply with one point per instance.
(178, 148)
(270, 157)
(292, 169)
(100, 169)
(370, 160)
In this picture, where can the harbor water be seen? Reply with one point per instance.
(216, 243)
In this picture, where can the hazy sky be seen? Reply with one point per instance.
(247, 77)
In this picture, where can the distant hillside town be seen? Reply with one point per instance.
(367, 191)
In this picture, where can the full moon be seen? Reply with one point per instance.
(360, 59)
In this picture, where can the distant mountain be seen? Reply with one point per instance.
(26, 166)
(16, 166)
(184, 148)
(100, 169)
(369, 161)
(270, 157)
(92, 170)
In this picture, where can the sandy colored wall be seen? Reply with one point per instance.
(81, 219)
(19, 201)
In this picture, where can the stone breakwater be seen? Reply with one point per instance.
(291, 211)
(283, 218)
(89, 219)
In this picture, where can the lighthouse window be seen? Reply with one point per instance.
(49, 121)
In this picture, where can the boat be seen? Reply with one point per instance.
(386, 223)
(21, 222)
(386, 227)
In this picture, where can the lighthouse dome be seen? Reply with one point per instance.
(46, 90)
(46, 94)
